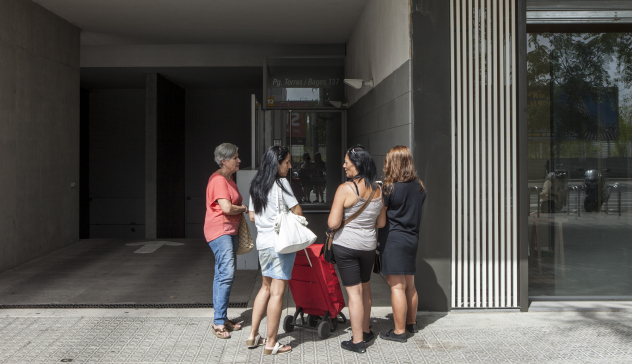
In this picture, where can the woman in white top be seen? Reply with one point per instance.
(276, 269)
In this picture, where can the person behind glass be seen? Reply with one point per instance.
(305, 174)
(404, 196)
(276, 269)
(318, 177)
(354, 244)
(221, 228)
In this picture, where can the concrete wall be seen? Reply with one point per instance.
(432, 149)
(117, 164)
(169, 158)
(199, 55)
(410, 105)
(84, 165)
(39, 132)
(118, 152)
(213, 116)
(379, 43)
(381, 119)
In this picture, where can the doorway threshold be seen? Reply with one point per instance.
(581, 306)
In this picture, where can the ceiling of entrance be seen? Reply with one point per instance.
(209, 21)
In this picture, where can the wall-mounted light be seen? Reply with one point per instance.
(358, 83)
(339, 104)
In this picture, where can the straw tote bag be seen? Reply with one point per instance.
(245, 239)
(292, 233)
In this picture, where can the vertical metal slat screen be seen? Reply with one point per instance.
(484, 150)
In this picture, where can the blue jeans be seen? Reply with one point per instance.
(225, 251)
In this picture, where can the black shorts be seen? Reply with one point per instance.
(355, 266)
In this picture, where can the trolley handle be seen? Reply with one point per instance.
(309, 260)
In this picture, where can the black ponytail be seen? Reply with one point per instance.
(363, 162)
(267, 176)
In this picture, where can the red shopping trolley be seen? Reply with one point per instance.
(316, 292)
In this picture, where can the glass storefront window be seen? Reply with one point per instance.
(580, 164)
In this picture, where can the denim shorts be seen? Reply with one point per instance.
(276, 266)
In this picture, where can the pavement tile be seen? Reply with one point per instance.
(455, 338)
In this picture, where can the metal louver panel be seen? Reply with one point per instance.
(484, 154)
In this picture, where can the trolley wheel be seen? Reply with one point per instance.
(334, 324)
(312, 320)
(287, 323)
(324, 328)
(344, 319)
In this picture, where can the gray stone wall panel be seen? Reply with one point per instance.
(432, 148)
(381, 118)
(39, 132)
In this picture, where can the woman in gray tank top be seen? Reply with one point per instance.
(355, 243)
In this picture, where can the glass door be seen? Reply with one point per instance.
(315, 142)
(316, 139)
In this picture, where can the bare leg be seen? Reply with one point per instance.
(399, 301)
(275, 307)
(367, 302)
(260, 306)
(356, 312)
(411, 299)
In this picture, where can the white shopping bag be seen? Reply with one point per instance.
(292, 233)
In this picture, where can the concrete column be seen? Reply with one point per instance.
(151, 156)
(84, 165)
(39, 132)
(164, 159)
(431, 146)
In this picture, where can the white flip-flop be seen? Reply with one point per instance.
(275, 350)
(255, 343)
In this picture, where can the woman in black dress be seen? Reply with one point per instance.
(404, 195)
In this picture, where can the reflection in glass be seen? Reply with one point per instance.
(315, 142)
(580, 164)
(307, 134)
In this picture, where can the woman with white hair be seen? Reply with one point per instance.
(221, 228)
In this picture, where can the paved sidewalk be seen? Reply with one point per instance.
(185, 336)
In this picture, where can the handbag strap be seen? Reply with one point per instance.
(357, 213)
(280, 197)
(277, 198)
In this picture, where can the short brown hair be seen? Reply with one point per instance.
(399, 167)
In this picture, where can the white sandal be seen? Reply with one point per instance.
(276, 348)
(256, 342)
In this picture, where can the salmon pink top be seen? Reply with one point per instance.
(216, 222)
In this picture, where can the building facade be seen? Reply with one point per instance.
(518, 113)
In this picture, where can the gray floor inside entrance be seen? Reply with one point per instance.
(109, 272)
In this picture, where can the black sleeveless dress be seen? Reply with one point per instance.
(399, 239)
